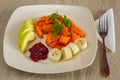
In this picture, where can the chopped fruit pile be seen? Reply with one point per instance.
(59, 30)
(38, 51)
(64, 37)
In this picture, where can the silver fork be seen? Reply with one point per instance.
(103, 30)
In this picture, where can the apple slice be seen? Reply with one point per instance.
(25, 39)
(25, 29)
(25, 26)
(29, 21)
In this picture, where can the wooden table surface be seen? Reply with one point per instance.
(90, 73)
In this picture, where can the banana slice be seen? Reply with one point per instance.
(81, 43)
(54, 55)
(74, 48)
(66, 52)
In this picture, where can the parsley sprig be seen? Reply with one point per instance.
(57, 25)
(66, 21)
(54, 16)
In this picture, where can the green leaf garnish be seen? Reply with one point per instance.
(66, 21)
(61, 25)
(54, 16)
(57, 24)
(56, 27)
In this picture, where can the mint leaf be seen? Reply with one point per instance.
(54, 16)
(56, 27)
(56, 31)
(61, 25)
(66, 21)
(57, 24)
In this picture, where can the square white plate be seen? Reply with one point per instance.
(80, 15)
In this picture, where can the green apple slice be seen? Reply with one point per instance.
(24, 26)
(29, 21)
(25, 29)
(25, 39)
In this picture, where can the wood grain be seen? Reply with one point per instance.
(92, 72)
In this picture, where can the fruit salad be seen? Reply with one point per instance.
(63, 36)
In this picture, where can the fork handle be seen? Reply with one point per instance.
(105, 66)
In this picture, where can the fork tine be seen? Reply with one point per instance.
(99, 29)
(104, 22)
(102, 29)
(99, 26)
(107, 24)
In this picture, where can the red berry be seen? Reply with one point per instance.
(38, 51)
(44, 57)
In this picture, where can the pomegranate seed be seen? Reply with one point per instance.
(38, 51)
